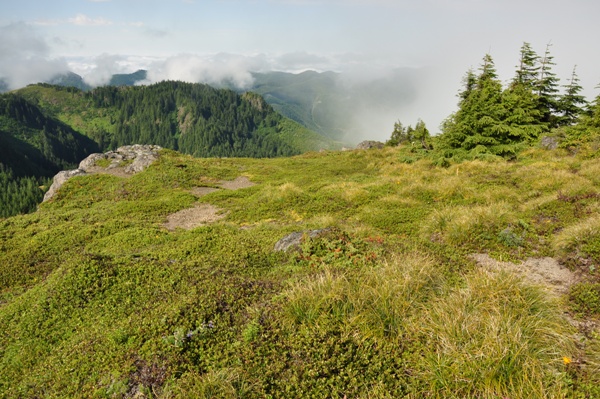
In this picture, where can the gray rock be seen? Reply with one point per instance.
(60, 179)
(90, 161)
(138, 157)
(142, 156)
(292, 241)
(549, 143)
(368, 144)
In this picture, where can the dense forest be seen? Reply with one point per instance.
(46, 128)
(33, 147)
(194, 119)
(493, 120)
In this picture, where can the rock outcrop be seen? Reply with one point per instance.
(126, 160)
(292, 241)
(368, 144)
(549, 143)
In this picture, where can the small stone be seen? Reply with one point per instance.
(292, 241)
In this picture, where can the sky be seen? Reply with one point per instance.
(212, 40)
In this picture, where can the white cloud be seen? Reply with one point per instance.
(84, 20)
(99, 71)
(217, 69)
(24, 57)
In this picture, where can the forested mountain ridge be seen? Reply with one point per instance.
(48, 128)
(193, 118)
(33, 147)
(329, 103)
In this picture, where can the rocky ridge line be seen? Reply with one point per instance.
(124, 161)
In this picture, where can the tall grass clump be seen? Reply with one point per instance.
(468, 225)
(494, 338)
(376, 302)
(580, 240)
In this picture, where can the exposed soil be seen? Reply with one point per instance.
(203, 214)
(199, 215)
(546, 272)
(238, 183)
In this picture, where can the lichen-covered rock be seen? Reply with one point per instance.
(138, 157)
(368, 144)
(142, 156)
(292, 241)
(128, 160)
(60, 179)
(549, 143)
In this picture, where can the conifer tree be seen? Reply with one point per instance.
(528, 69)
(421, 134)
(572, 103)
(493, 120)
(469, 83)
(547, 89)
(480, 111)
(594, 112)
(398, 135)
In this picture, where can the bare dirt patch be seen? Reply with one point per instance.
(199, 215)
(546, 272)
(238, 183)
(203, 214)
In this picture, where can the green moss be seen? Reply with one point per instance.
(585, 298)
(97, 298)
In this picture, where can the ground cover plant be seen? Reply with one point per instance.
(98, 299)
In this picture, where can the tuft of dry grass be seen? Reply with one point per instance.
(376, 302)
(572, 236)
(463, 224)
(495, 337)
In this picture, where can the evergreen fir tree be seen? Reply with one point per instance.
(492, 120)
(469, 83)
(421, 134)
(547, 89)
(528, 69)
(480, 113)
(572, 103)
(398, 135)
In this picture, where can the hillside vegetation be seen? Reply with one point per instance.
(192, 118)
(99, 299)
(45, 129)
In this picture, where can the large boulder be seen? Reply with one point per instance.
(128, 159)
(136, 157)
(549, 143)
(61, 179)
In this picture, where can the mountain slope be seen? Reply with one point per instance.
(98, 298)
(339, 106)
(33, 148)
(46, 128)
(70, 79)
(194, 118)
(128, 79)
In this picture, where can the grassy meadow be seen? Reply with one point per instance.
(99, 300)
